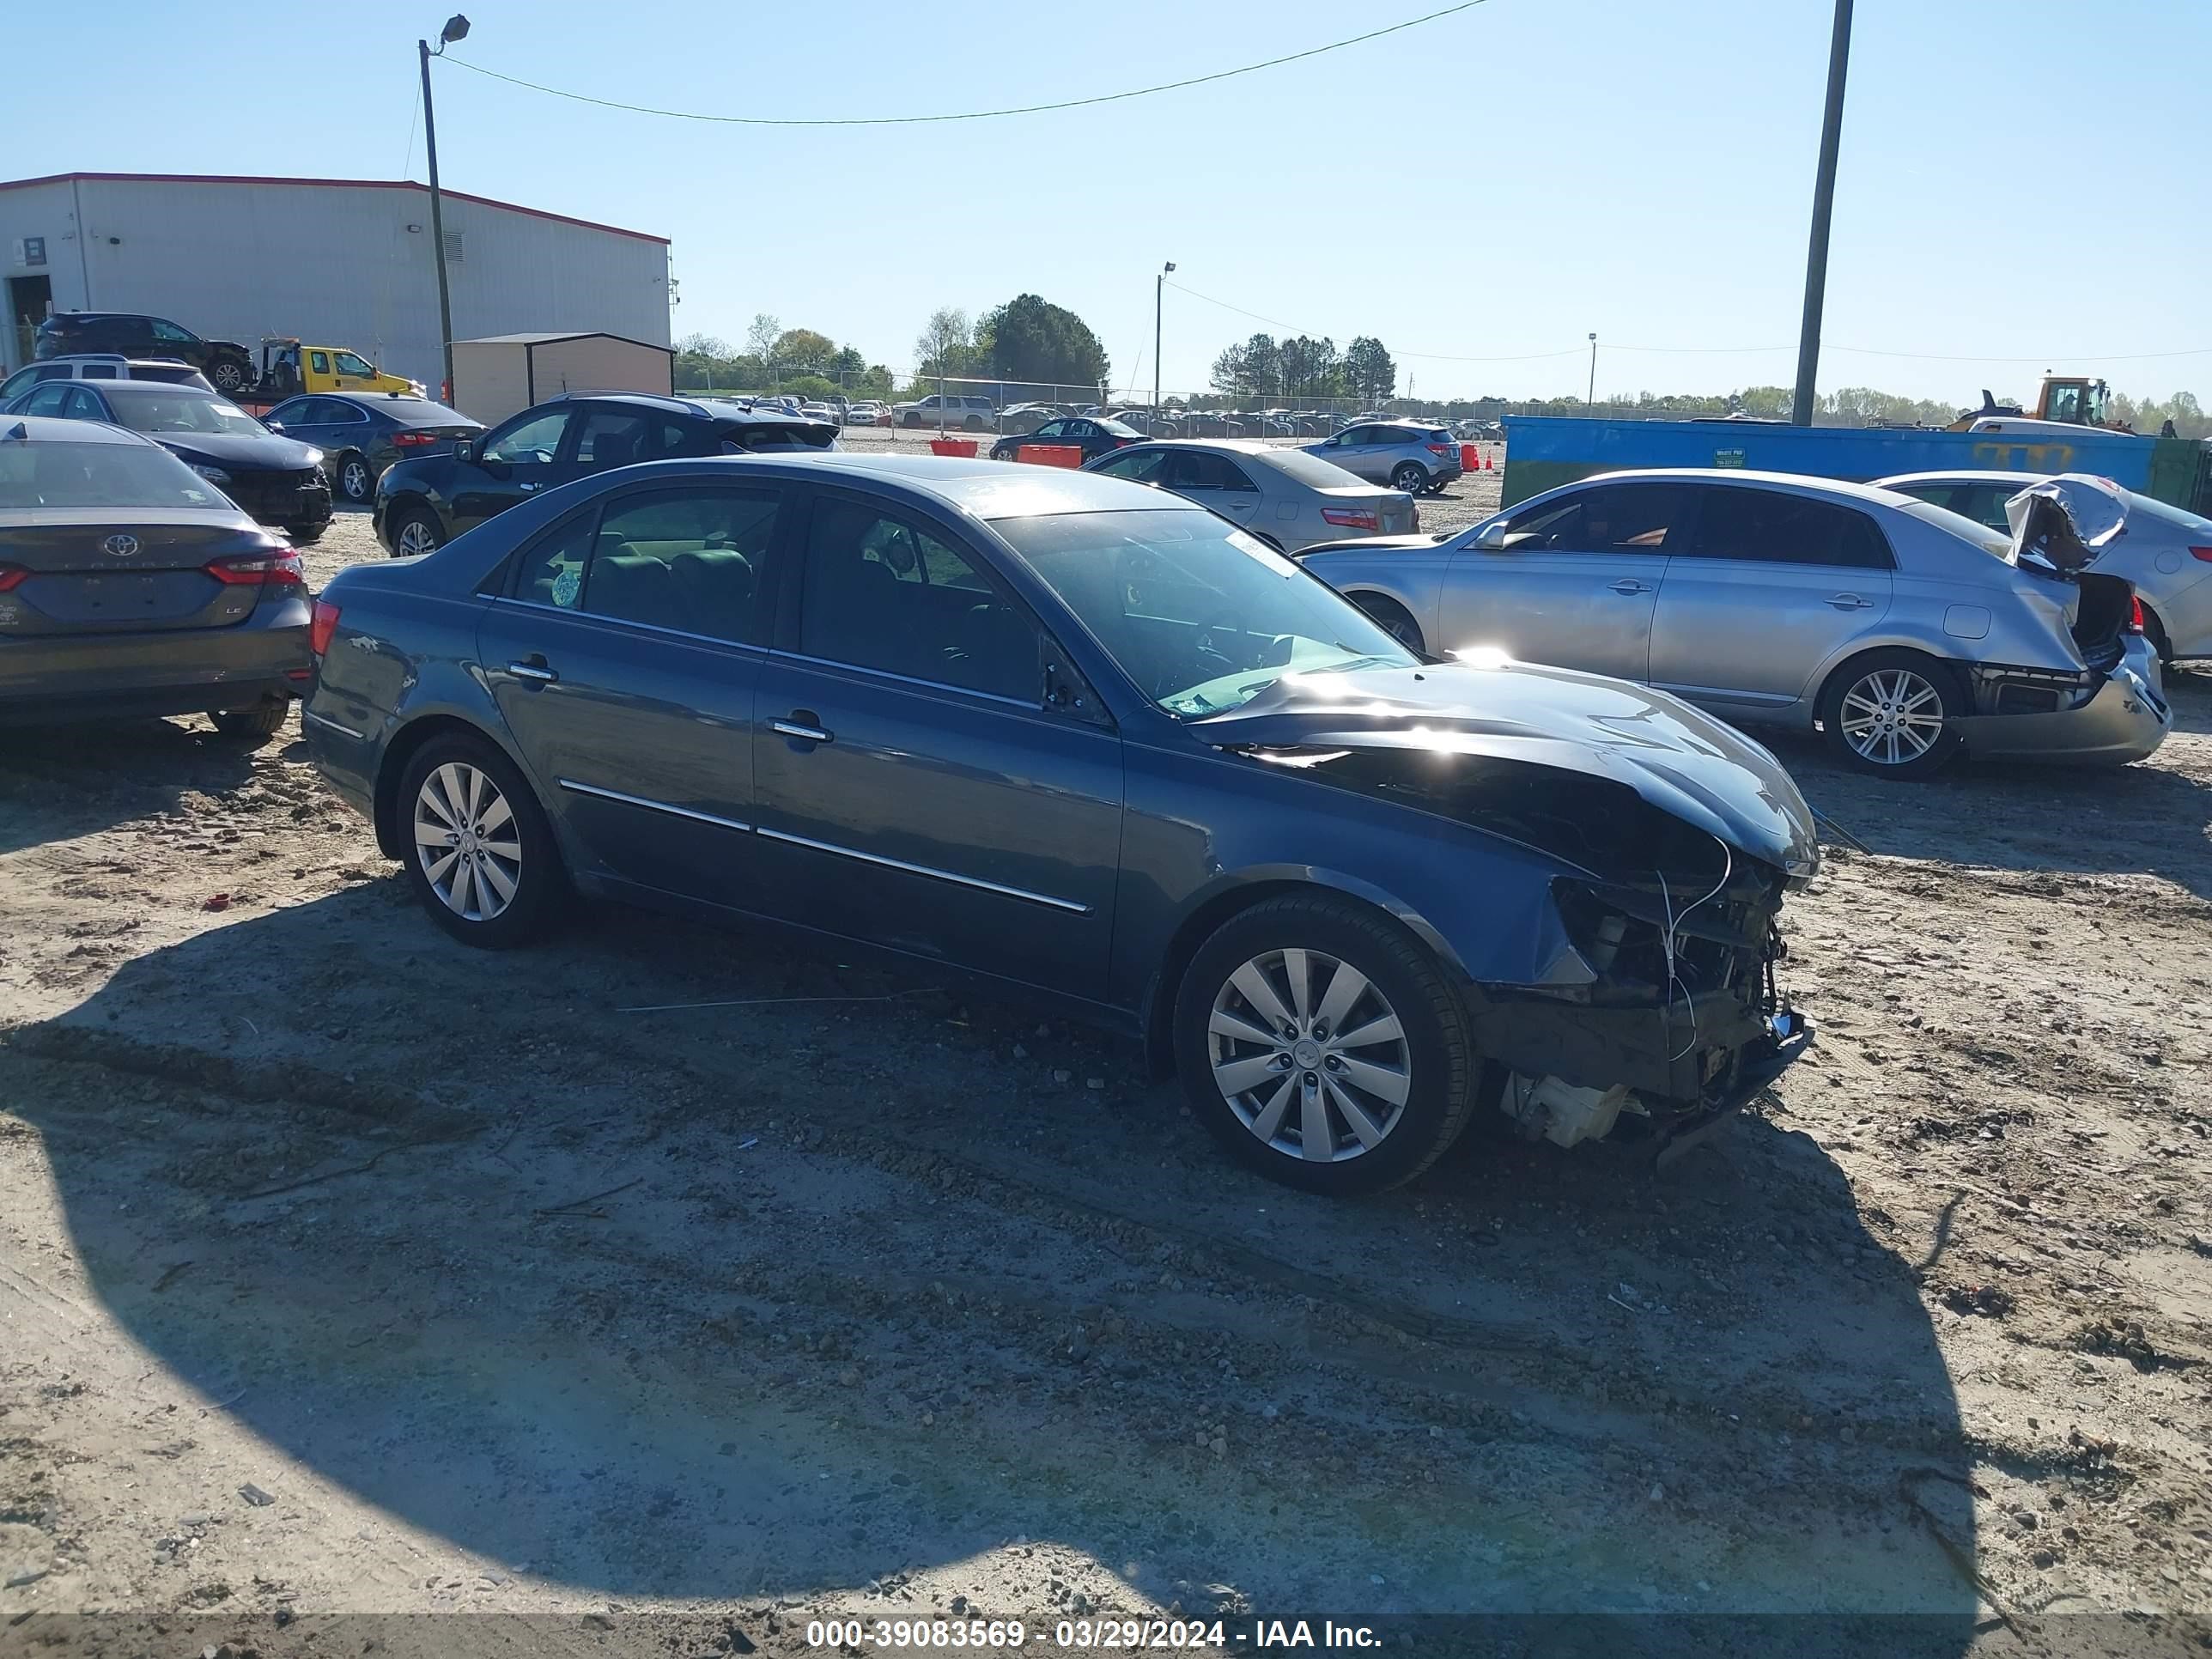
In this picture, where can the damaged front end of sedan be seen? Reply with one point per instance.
(1645, 994)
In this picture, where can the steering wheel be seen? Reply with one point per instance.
(1203, 649)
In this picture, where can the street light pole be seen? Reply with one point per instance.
(1590, 398)
(1160, 289)
(1823, 202)
(456, 28)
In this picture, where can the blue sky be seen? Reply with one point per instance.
(1496, 183)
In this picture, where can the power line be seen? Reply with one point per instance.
(968, 115)
(2039, 357)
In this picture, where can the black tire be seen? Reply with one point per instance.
(539, 883)
(1435, 489)
(1410, 477)
(355, 478)
(307, 535)
(423, 520)
(912, 420)
(256, 722)
(1436, 1043)
(1395, 619)
(228, 374)
(2161, 641)
(975, 424)
(1893, 685)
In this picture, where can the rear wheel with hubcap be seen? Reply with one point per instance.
(1892, 713)
(357, 478)
(256, 722)
(1410, 477)
(1323, 1046)
(1394, 620)
(479, 852)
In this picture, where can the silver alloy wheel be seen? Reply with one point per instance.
(1309, 1056)
(354, 479)
(1892, 716)
(415, 536)
(469, 843)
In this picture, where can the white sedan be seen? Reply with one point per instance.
(2166, 551)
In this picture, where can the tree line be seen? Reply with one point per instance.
(1029, 340)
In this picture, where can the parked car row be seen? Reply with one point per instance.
(1095, 735)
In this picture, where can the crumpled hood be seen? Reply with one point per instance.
(1680, 760)
(266, 450)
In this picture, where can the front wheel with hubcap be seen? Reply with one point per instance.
(480, 855)
(1323, 1046)
(227, 375)
(1893, 713)
(416, 532)
(356, 479)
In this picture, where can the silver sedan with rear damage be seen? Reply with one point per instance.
(1903, 632)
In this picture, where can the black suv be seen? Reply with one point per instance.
(227, 365)
(424, 503)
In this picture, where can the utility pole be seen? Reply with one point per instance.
(1589, 397)
(456, 28)
(1823, 202)
(1160, 289)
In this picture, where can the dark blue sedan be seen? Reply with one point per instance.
(1057, 733)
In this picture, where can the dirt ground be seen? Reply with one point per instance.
(660, 1290)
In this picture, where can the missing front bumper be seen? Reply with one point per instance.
(1759, 1067)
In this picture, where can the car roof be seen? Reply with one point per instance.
(1234, 445)
(990, 489)
(132, 388)
(54, 429)
(1728, 475)
(705, 409)
(1964, 474)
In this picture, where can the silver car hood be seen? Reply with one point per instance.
(1680, 760)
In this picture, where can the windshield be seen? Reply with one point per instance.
(1119, 430)
(33, 475)
(1311, 470)
(184, 411)
(415, 411)
(1198, 614)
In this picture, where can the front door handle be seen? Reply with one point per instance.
(532, 668)
(526, 484)
(1849, 602)
(803, 725)
(1628, 584)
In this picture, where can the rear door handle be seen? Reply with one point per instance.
(1849, 602)
(803, 725)
(1628, 584)
(532, 668)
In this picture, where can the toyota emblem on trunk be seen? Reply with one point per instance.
(121, 546)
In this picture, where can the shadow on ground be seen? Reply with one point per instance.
(783, 1298)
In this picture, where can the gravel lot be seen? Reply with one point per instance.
(345, 1273)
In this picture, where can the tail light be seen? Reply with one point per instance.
(323, 628)
(414, 439)
(2204, 553)
(2135, 614)
(1439, 449)
(11, 575)
(1352, 517)
(277, 568)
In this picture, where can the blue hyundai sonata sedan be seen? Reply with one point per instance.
(1061, 732)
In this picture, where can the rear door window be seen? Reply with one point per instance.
(1768, 526)
(612, 437)
(689, 560)
(1198, 470)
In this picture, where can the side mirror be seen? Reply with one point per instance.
(464, 449)
(1491, 538)
(274, 425)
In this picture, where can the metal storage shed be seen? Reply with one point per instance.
(494, 376)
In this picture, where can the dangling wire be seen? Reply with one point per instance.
(1673, 925)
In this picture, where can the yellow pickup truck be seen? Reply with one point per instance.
(289, 369)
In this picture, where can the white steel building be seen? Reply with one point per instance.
(335, 261)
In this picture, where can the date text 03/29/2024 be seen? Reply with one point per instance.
(1098, 1635)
